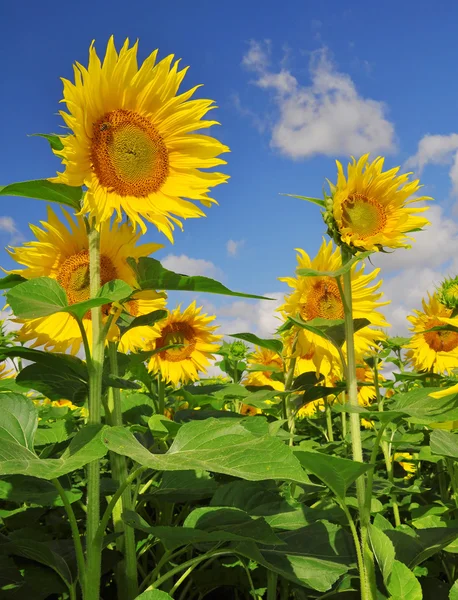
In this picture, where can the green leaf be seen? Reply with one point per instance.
(402, 583)
(454, 591)
(184, 486)
(423, 409)
(53, 382)
(42, 189)
(317, 201)
(314, 556)
(412, 547)
(154, 595)
(331, 330)
(383, 550)
(54, 140)
(10, 281)
(218, 445)
(126, 322)
(151, 275)
(18, 419)
(337, 473)
(38, 297)
(55, 360)
(444, 443)
(306, 272)
(85, 447)
(306, 380)
(54, 433)
(20, 488)
(274, 345)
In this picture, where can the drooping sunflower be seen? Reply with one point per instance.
(192, 331)
(268, 358)
(373, 209)
(134, 142)
(319, 297)
(61, 252)
(435, 351)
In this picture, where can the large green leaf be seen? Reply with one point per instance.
(423, 409)
(383, 550)
(184, 486)
(454, 591)
(402, 583)
(224, 525)
(18, 420)
(274, 345)
(54, 432)
(218, 445)
(85, 447)
(444, 443)
(54, 383)
(151, 275)
(306, 272)
(314, 556)
(127, 322)
(154, 595)
(42, 189)
(329, 329)
(337, 473)
(10, 281)
(412, 547)
(21, 488)
(54, 140)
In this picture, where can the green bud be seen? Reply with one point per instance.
(448, 293)
(238, 350)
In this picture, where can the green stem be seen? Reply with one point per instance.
(126, 570)
(369, 591)
(329, 420)
(290, 408)
(75, 533)
(272, 579)
(452, 473)
(359, 554)
(93, 553)
(161, 394)
(389, 470)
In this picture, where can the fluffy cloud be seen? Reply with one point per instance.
(8, 225)
(437, 150)
(190, 266)
(414, 272)
(234, 246)
(327, 117)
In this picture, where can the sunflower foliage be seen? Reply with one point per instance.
(319, 463)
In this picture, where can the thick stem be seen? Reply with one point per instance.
(389, 471)
(161, 394)
(329, 420)
(272, 579)
(95, 367)
(75, 534)
(289, 404)
(126, 571)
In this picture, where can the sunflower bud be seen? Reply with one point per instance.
(238, 350)
(448, 293)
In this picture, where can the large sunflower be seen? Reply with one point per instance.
(372, 209)
(197, 341)
(435, 351)
(268, 358)
(319, 297)
(61, 252)
(134, 142)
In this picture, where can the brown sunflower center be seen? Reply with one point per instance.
(360, 374)
(128, 154)
(323, 301)
(177, 333)
(440, 341)
(364, 216)
(73, 275)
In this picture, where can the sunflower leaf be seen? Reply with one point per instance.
(10, 281)
(318, 201)
(54, 140)
(42, 189)
(154, 595)
(38, 297)
(149, 319)
(331, 330)
(306, 272)
(151, 275)
(274, 345)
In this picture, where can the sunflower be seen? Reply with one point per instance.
(61, 252)
(371, 208)
(134, 142)
(197, 341)
(267, 358)
(319, 297)
(435, 351)
(249, 411)
(5, 373)
(409, 467)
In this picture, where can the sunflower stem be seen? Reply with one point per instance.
(126, 570)
(95, 367)
(290, 408)
(161, 394)
(329, 420)
(368, 577)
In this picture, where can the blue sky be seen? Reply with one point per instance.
(298, 84)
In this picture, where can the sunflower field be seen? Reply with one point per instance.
(321, 463)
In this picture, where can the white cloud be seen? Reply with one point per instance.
(191, 266)
(327, 117)
(8, 225)
(234, 246)
(414, 272)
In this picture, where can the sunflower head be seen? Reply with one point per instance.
(448, 293)
(238, 350)
(273, 363)
(184, 343)
(133, 140)
(370, 209)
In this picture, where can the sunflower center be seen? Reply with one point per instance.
(361, 374)
(323, 301)
(128, 154)
(440, 341)
(364, 216)
(73, 275)
(177, 333)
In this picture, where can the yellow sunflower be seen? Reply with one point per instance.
(319, 297)
(191, 329)
(269, 358)
(134, 142)
(435, 351)
(372, 208)
(364, 374)
(249, 411)
(409, 467)
(5, 373)
(61, 252)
